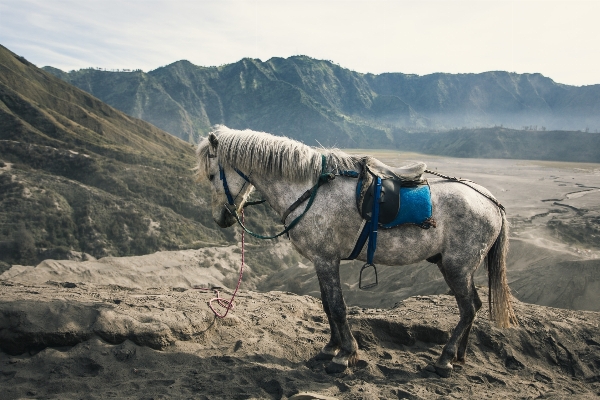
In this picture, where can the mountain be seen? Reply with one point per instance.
(76, 175)
(499, 142)
(316, 100)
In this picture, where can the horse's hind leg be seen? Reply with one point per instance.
(462, 347)
(460, 281)
(328, 273)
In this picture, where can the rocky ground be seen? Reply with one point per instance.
(135, 327)
(91, 341)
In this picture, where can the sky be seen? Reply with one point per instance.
(559, 39)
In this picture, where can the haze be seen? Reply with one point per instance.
(555, 38)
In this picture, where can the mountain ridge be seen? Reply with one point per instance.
(310, 99)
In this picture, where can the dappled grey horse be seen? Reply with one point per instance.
(469, 227)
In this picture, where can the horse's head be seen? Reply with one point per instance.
(223, 179)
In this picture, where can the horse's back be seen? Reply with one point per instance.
(469, 220)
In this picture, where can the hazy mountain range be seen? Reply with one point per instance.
(316, 100)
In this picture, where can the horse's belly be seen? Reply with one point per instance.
(404, 245)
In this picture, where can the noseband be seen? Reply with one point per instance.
(230, 198)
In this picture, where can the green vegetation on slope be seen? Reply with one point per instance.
(76, 174)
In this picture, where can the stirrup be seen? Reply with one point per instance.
(370, 285)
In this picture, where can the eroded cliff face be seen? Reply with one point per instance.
(75, 339)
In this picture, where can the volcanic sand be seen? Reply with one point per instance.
(135, 327)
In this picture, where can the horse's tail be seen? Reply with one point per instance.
(500, 298)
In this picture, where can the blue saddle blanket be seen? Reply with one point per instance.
(415, 207)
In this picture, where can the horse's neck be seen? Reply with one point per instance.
(280, 193)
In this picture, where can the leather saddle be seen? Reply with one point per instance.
(392, 179)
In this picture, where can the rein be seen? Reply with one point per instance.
(310, 194)
(232, 209)
(227, 304)
(464, 182)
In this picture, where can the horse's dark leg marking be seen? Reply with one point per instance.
(435, 259)
(333, 346)
(328, 273)
(462, 347)
(463, 288)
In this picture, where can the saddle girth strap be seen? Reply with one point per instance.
(369, 229)
(374, 223)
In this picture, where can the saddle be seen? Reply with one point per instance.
(392, 182)
(379, 192)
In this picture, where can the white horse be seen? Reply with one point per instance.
(470, 227)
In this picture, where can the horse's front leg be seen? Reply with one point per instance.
(328, 272)
(333, 346)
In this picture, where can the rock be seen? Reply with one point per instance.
(163, 343)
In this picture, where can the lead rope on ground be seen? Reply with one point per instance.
(227, 304)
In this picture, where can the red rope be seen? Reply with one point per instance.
(227, 304)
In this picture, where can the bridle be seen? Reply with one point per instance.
(309, 195)
(230, 199)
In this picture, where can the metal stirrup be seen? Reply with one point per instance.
(370, 285)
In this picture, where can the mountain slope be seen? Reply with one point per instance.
(498, 142)
(316, 100)
(78, 175)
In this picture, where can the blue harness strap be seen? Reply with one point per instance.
(310, 194)
(360, 243)
(374, 223)
(349, 173)
(240, 173)
(225, 185)
(369, 230)
(222, 176)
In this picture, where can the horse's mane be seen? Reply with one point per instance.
(261, 153)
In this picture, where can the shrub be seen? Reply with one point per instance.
(25, 245)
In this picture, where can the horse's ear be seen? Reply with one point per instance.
(212, 139)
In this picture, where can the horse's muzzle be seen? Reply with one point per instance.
(226, 218)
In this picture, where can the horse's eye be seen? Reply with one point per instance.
(210, 178)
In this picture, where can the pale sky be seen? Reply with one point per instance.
(559, 39)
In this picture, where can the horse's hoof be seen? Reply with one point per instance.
(459, 361)
(327, 353)
(430, 368)
(335, 368)
(444, 372)
(324, 356)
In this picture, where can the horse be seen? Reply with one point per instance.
(470, 227)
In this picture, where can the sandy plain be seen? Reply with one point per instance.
(136, 328)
